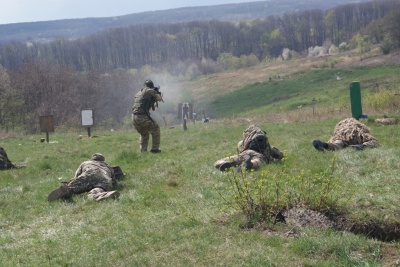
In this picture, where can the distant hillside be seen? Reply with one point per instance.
(286, 85)
(75, 28)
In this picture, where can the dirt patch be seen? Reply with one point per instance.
(303, 217)
(300, 217)
(390, 255)
(387, 121)
(8, 135)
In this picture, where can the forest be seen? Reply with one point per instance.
(102, 71)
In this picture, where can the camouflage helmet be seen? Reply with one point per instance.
(149, 83)
(98, 157)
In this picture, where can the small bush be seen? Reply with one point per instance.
(260, 196)
(382, 100)
(343, 47)
(386, 46)
(316, 51)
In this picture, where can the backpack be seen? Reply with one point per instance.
(254, 138)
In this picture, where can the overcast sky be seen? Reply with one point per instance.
(14, 11)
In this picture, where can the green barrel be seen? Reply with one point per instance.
(355, 99)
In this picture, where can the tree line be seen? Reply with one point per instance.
(101, 70)
(138, 45)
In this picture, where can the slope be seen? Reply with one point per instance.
(288, 85)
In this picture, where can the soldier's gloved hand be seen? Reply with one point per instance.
(248, 163)
(358, 147)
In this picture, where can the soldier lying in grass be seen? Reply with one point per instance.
(348, 133)
(93, 176)
(5, 162)
(253, 151)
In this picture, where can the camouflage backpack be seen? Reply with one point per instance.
(254, 138)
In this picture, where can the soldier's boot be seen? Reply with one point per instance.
(225, 166)
(108, 195)
(60, 193)
(319, 145)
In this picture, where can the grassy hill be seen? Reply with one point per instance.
(278, 86)
(173, 211)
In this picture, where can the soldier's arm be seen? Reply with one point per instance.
(157, 96)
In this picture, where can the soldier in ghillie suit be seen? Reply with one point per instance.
(5, 163)
(253, 151)
(145, 99)
(93, 176)
(348, 133)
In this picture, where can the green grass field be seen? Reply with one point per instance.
(288, 93)
(171, 213)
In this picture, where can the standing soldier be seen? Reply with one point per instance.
(348, 132)
(185, 111)
(145, 99)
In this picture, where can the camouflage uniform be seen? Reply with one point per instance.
(93, 176)
(94, 173)
(5, 163)
(145, 99)
(254, 157)
(349, 132)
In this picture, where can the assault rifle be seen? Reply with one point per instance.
(155, 105)
(157, 88)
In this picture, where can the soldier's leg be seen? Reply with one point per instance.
(155, 137)
(336, 145)
(371, 144)
(144, 141)
(101, 194)
(80, 184)
(142, 126)
(86, 182)
(226, 163)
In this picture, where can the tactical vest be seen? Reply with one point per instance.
(144, 99)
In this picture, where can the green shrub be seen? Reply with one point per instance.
(261, 195)
(382, 100)
(386, 46)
